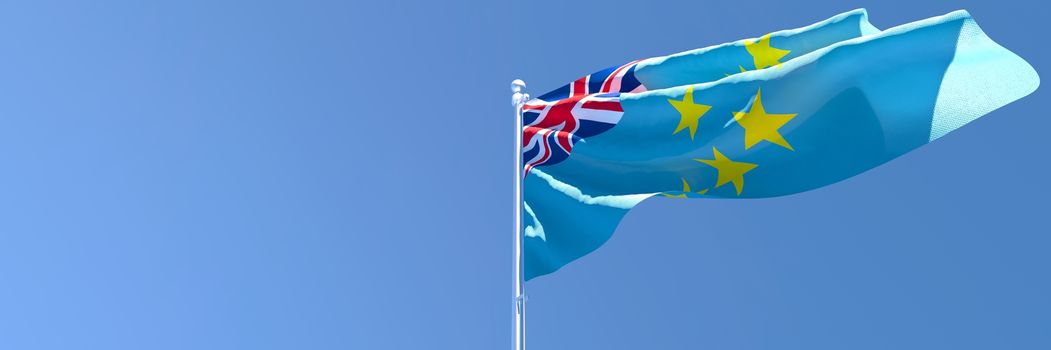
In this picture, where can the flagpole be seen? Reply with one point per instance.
(518, 100)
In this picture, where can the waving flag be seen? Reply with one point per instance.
(779, 114)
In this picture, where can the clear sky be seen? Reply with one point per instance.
(337, 175)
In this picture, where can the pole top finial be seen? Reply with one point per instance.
(519, 97)
(517, 85)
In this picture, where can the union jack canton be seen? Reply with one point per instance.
(589, 106)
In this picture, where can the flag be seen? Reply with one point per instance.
(555, 121)
(775, 115)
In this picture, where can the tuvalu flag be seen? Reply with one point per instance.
(786, 112)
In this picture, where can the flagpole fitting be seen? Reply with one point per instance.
(520, 302)
(519, 98)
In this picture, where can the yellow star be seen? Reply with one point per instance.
(729, 171)
(689, 112)
(763, 54)
(761, 126)
(685, 190)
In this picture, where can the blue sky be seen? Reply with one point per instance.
(337, 175)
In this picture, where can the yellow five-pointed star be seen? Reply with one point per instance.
(761, 126)
(685, 190)
(764, 55)
(729, 171)
(689, 112)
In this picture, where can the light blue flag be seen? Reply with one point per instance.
(719, 61)
(813, 106)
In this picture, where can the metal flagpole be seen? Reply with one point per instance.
(518, 100)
